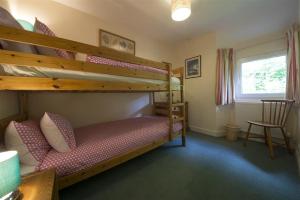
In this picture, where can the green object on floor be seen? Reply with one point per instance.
(207, 168)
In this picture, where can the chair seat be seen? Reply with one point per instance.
(264, 124)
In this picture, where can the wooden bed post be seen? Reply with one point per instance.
(170, 99)
(23, 104)
(153, 97)
(183, 110)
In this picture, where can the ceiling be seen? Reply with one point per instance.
(234, 17)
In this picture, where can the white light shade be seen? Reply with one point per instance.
(181, 9)
(9, 172)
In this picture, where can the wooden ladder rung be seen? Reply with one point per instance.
(178, 119)
(178, 104)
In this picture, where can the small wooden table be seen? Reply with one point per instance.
(39, 186)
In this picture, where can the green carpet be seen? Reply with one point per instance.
(208, 168)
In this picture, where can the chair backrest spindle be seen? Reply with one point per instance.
(263, 111)
(279, 113)
(276, 111)
(270, 116)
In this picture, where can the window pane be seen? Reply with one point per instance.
(264, 76)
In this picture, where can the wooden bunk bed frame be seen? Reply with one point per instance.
(28, 84)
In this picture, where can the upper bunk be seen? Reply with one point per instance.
(118, 71)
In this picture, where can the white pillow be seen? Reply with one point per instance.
(58, 132)
(28, 140)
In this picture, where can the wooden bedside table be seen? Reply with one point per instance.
(39, 186)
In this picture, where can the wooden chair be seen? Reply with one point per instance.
(274, 115)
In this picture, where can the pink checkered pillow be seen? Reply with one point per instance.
(58, 132)
(40, 27)
(27, 138)
(115, 63)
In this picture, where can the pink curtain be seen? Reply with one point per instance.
(224, 78)
(293, 76)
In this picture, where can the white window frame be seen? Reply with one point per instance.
(238, 79)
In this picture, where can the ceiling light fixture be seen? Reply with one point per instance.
(181, 9)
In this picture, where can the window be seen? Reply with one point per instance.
(261, 77)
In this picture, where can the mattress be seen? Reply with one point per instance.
(99, 142)
(70, 74)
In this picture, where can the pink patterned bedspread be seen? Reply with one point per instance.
(103, 141)
(107, 61)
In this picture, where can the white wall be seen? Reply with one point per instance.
(8, 104)
(76, 25)
(72, 24)
(200, 92)
(89, 108)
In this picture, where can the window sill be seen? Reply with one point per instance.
(258, 100)
(248, 101)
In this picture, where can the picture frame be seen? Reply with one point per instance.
(193, 67)
(116, 42)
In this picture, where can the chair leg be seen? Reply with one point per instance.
(247, 134)
(270, 144)
(287, 142)
(265, 133)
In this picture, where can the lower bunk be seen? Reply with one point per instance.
(105, 145)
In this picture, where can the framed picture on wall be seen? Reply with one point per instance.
(116, 42)
(193, 67)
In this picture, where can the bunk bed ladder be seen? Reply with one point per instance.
(182, 109)
(182, 97)
(176, 112)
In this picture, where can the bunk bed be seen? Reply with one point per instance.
(25, 72)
